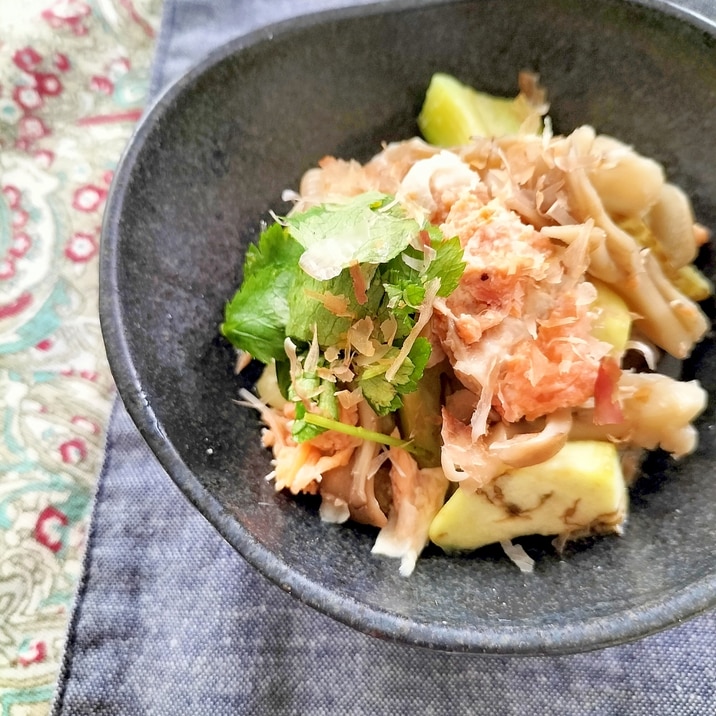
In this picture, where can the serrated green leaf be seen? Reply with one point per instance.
(383, 395)
(255, 318)
(307, 311)
(418, 358)
(368, 228)
(448, 264)
(327, 404)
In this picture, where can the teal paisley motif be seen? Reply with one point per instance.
(130, 89)
(40, 325)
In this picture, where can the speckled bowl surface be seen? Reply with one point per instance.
(211, 159)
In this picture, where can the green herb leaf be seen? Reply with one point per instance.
(383, 395)
(447, 265)
(255, 319)
(404, 299)
(412, 370)
(327, 405)
(368, 228)
(278, 299)
(306, 310)
(405, 286)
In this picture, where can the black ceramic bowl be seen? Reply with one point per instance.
(211, 159)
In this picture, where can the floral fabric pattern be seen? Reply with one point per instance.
(73, 81)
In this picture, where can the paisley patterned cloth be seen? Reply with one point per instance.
(73, 81)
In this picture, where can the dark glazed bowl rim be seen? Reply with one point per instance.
(659, 613)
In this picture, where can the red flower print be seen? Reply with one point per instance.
(102, 84)
(7, 269)
(81, 247)
(32, 128)
(44, 157)
(73, 451)
(27, 97)
(19, 218)
(27, 59)
(67, 14)
(88, 198)
(36, 654)
(21, 243)
(21, 303)
(48, 84)
(48, 521)
(118, 67)
(61, 62)
(85, 424)
(12, 194)
(44, 345)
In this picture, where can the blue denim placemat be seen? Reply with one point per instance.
(170, 620)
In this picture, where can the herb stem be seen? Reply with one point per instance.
(358, 432)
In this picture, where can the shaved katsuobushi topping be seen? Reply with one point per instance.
(448, 329)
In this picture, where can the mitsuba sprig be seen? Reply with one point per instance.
(338, 296)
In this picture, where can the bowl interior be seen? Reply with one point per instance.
(212, 158)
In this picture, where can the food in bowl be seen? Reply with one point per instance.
(461, 336)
